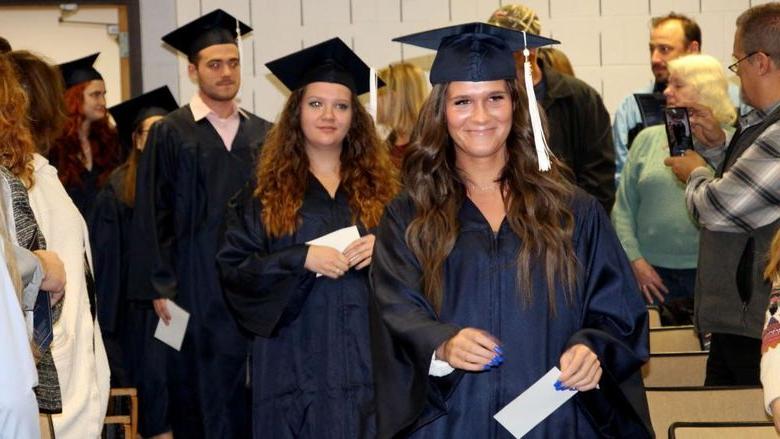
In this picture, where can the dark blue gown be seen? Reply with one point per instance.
(186, 177)
(481, 291)
(311, 359)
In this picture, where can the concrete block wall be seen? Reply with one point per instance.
(606, 40)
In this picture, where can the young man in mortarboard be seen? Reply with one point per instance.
(196, 158)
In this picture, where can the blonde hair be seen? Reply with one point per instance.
(772, 270)
(402, 98)
(518, 17)
(705, 74)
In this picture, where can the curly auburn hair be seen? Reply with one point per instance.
(536, 202)
(367, 175)
(66, 151)
(16, 143)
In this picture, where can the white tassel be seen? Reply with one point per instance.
(542, 152)
(372, 95)
(240, 61)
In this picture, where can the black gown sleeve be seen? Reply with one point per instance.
(105, 235)
(152, 251)
(266, 289)
(615, 328)
(404, 333)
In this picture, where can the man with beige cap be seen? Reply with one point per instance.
(579, 130)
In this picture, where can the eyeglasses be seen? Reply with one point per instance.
(735, 67)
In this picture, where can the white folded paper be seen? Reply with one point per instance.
(533, 405)
(173, 333)
(340, 239)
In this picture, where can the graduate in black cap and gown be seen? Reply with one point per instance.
(88, 149)
(322, 169)
(196, 158)
(120, 319)
(492, 268)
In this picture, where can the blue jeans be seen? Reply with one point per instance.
(679, 281)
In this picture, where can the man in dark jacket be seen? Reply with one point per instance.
(579, 131)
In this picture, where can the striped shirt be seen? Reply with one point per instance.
(747, 195)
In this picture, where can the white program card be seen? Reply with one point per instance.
(173, 333)
(533, 405)
(340, 239)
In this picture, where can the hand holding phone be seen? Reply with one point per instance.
(678, 130)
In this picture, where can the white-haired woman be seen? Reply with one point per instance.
(657, 233)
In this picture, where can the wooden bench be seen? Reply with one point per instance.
(722, 430)
(674, 339)
(704, 404)
(675, 369)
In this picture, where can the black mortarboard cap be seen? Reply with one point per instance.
(216, 27)
(474, 51)
(329, 61)
(79, 70)
(130, 113)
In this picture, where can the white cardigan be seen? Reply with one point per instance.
(77, 347)
(18, 376)
(770, 354)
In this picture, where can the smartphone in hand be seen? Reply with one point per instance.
(678, 130)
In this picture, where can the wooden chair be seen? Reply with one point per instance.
(654, 315)
(720, 430)
(704, 404)
(674, 339)
(675, 369)
(128, 422)
(47, 428)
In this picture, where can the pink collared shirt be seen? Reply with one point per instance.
(227, 128)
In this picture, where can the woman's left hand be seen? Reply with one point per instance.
(359, 252)
(580, 368)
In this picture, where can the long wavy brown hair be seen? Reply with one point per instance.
(367, 175)
(45, 89)
(16, 144)
(66, 151)
(536, 202)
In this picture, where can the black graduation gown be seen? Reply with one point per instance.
(127, 325)
(481, 291)
(109, 234)
(185, 178)
(311, 358)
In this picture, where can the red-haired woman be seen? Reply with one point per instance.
(88, 150)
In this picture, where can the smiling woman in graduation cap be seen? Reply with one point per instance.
(322, 169)
(492, 268)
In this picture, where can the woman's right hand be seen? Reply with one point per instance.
(649, 281)
(54, 277)
(326, 261)
(471, 349)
